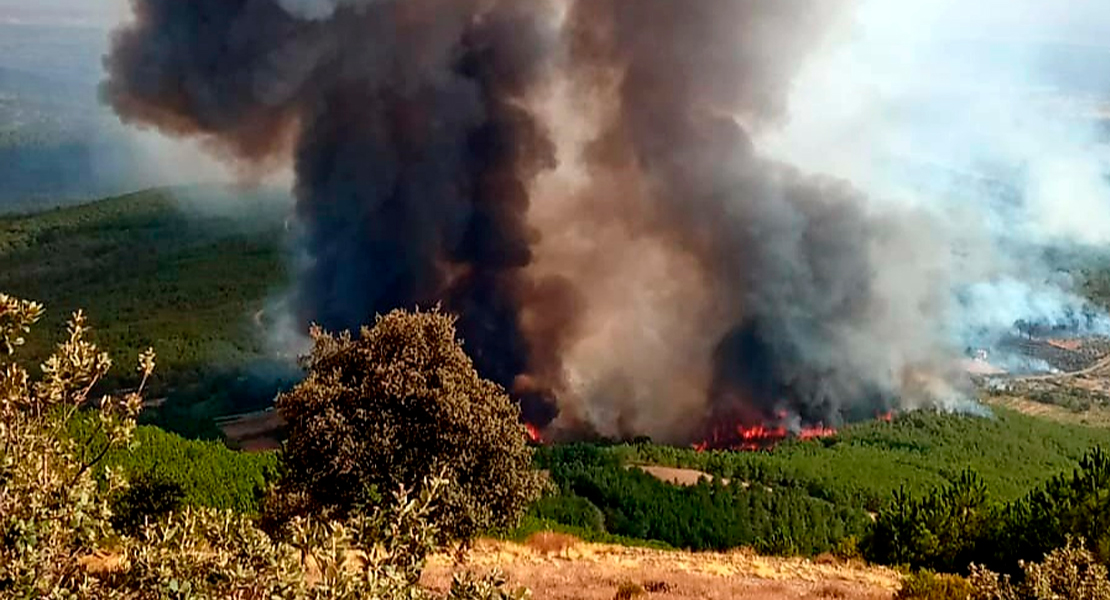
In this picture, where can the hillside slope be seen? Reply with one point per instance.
(185, 271)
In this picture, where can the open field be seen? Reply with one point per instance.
(580, 571)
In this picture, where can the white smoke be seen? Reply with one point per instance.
(989, 116)
(318, 10)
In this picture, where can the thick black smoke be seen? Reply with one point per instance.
(413, 158)
(417, 144)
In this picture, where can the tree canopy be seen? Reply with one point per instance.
(401, 404)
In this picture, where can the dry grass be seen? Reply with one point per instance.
(101, 563)
(550, 543)
(566, 570)
(629, 590)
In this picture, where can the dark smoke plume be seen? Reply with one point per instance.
(646, 277)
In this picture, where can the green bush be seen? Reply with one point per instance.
(1068, 573)
(208, 473)
(569, 510)
(847, 548)
(149, 498)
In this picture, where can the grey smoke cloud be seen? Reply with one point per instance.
(593, 186)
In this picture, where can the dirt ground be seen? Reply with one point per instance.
(561, 568)
(684, 477)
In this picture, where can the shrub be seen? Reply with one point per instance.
(1068, 573)
(51, 509)
(847, 548)
(209, 473)
(572, 511)
(927, 585)
(490, 587)
(149, 498)
(551, 542)
(629, 590)
(205, 553)
(401, 403)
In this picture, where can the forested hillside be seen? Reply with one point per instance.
(186, 271)
(810, 496)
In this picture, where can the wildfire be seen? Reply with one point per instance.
(533, 433)
(813, 433)
(760, 437)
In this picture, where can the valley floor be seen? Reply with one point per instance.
(564, 569)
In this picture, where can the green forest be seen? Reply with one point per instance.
(185, 271)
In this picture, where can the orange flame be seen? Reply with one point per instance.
(813, 433)
(533, 433)
(761, 437)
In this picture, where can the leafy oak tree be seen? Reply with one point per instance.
(399, 405)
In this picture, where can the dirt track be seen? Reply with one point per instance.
(572, 571)
(1102, 364)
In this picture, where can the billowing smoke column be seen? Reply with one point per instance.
(575, 180)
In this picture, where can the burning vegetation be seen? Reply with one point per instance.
(759, 437)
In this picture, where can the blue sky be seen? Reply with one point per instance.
(97, 13)
(1085, 22)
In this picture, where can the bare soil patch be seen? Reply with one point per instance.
(683, 477)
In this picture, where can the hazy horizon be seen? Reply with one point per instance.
(1079, 22)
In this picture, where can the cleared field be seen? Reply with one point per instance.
(683, 477)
